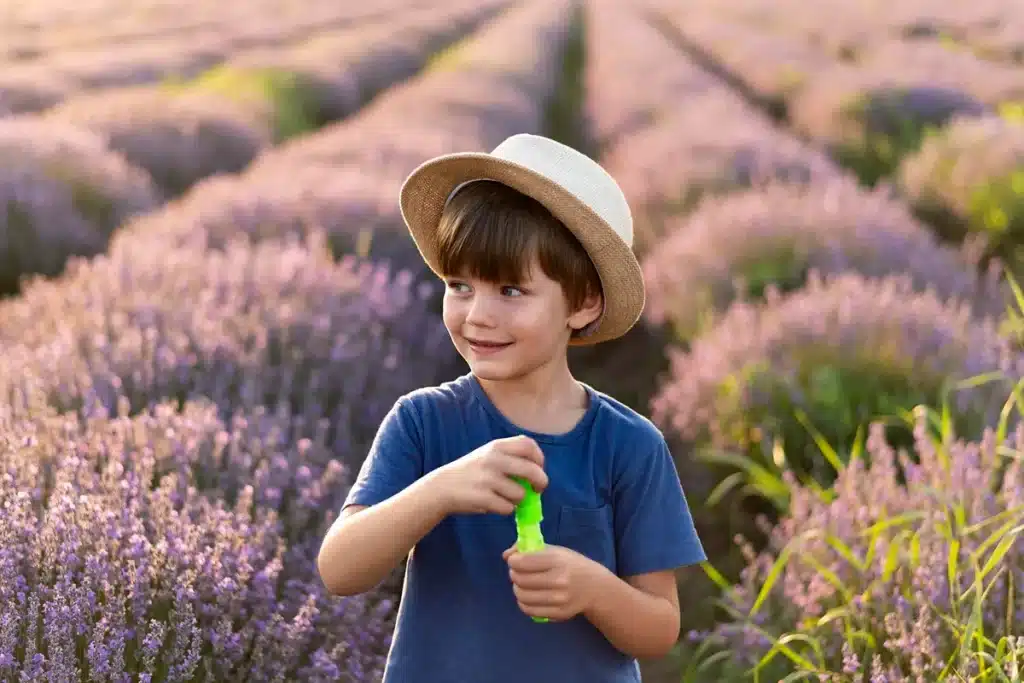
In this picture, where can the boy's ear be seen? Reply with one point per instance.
(587, 313)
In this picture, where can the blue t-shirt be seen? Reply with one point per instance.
(613, 495)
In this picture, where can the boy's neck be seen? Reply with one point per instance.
(548, 400)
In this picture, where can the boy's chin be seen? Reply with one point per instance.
(493, 370)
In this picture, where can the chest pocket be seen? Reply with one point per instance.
(588, 531)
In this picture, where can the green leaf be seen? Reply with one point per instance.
(1000, 552)
(845, 551)
(715, 576)
(772, 578)
(724, 487)
(826, 449)
(952, 562)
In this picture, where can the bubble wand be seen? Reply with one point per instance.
(529, 514)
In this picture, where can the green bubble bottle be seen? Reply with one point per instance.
(529, 514)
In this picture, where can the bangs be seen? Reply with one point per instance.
(495, 241)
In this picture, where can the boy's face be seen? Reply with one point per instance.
(509, 331)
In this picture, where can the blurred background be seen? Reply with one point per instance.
(209, 301)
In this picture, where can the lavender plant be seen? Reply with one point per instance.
(969, 182)
(830, 357)
(737, 245)
(357, 212)
(25, 89)
(910, 569)
(178, 138)
(871, 124)
(173, 547)
(273, 324)
(62, 193)
(668, 167)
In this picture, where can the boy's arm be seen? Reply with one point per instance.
(367, 542)
(387, 511)
(639, 615)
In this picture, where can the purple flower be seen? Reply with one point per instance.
(169, 503)
(272, 326)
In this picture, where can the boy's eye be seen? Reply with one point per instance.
(511, 291)
(458, 286)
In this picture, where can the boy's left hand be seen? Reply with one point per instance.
(556, 582)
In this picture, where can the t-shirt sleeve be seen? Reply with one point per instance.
(395, 459)
(654, 528)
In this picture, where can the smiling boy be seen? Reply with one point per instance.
(533, 242)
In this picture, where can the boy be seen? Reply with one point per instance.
(534, 243)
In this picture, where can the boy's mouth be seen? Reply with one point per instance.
(483, 347)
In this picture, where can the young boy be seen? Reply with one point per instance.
(534, 244)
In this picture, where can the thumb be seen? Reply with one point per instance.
(508, 552)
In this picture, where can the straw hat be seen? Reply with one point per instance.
(574, 188)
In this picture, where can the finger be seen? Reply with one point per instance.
(508, 552)
(506, 488)
(534, 599)
(531, 563)
(524, 447)
(493, 503)
(536, 580)
(512, 466)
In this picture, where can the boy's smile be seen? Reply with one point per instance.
(485, 348)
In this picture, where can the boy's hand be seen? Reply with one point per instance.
(481, 481)
(556, 582)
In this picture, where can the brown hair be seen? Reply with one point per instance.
(491, 231)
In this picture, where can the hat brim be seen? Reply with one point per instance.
(426, 190)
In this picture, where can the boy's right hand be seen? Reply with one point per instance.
(481, 482)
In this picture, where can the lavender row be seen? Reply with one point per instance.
(223, 120)
(345, 178)
(842, 350)
(870, 106)
(991, 29)
(128, 150)
(622, 48)
(174, 546)
(871, 114)
(36, 85)
(968, 182)
(773, 66)
(239, 27)
(739, 245)
(661, 147)
(277, 325)
(475, 92)
(63, 196)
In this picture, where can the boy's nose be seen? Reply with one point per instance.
(481, 312)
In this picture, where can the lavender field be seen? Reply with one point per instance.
(208, 302)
